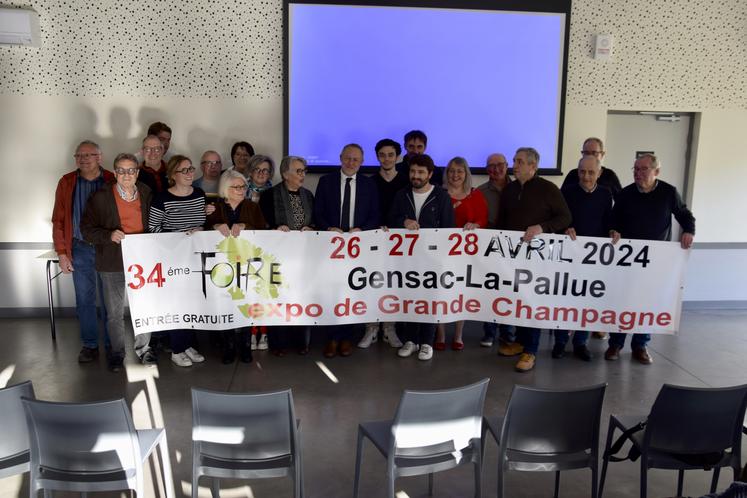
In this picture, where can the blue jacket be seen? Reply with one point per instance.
(328, 202)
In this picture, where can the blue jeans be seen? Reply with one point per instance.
(639, 341)
(580, 337)
(529, 338)
(507, 332)
(85, 281)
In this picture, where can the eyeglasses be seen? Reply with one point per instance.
(185, 171)
(238, 187)
(263, 171)
(495, 165)
(86, 156)
(642, 170)
(302, 171)
(152, 149)
(592, 152)
(211, 163)
(126, 171)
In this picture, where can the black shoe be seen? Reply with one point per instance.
(245, 353)
(149, 358)
(87, 355)
(582, 352)
(558, 351)
(115, 364)
(229, 355)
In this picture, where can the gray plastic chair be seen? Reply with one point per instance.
(14, 444)
(432, 431)
(244, 436)
(88, 447)
(688, 428)
(549, 431)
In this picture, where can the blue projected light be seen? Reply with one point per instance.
(475, 81)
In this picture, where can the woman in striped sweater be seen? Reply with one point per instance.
(180, 208)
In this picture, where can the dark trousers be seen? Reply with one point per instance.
(419, 333)
(529, 337)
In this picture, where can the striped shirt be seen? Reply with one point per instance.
(172, 213)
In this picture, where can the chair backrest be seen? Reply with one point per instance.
(553, 421)
(15, 438)
(437, 422)
(243, 426)
(82, 437)
(694, 420)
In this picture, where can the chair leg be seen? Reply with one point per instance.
(168, 478)
(594, 482)
(500, 480)
(478, 479)
(557, 483)
(680, 481)
(605, 458)
(215, 487)
(195, 483)
(358, 458)
(390, 483)
(714, 481)
(430, 484)
(644, 478)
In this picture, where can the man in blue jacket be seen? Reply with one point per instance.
(345, 201)
(423, 205)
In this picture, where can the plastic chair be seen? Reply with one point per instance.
(688, 428)
(549, 431)
(244, 436)
(432, 431)
(14, 444)
(87, 447)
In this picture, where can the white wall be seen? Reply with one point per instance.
(213, 70)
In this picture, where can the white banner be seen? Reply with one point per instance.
(208, 282)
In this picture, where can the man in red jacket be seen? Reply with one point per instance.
(75, 255)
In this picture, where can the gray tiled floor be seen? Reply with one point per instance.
(710, 351)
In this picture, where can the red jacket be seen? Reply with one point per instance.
(62, 214)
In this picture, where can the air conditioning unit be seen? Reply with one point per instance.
(19, 27)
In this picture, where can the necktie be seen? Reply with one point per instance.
(345, 215)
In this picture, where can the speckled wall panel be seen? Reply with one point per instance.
(684, 54)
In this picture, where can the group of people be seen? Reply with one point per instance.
(95, 209)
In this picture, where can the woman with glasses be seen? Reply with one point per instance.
(180, 208)
(234, 213)
(289, 206)
(261, 171)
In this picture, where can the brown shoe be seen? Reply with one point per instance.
(346, 348)
(330, 349)
(642, 356)
(525, 363)
(599, 335)
(510, 348)
(612, 353)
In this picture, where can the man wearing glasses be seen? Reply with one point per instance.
(113, 212)
(643, 210)
(211, 167)
(75, 255)
(153, 167)
(595, 147)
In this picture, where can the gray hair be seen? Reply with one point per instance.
(88, 142)
(258, 159)
(124, 156)
(654, 160)
(597, 162)
(225, 181)
(461, 162)
(352, 146)
(286, 162)
(533, 157)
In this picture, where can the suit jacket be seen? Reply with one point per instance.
(328, 202)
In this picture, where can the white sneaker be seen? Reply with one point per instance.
(194, 355)
(254, 342)
(181, 359)
(426, 352)
(371, 336)
(390, 335)
(407, 350)
(262, 344)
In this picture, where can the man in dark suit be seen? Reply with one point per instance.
(345, 201)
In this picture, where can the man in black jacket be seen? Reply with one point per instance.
(423, 205)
